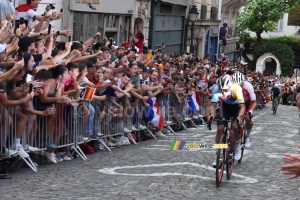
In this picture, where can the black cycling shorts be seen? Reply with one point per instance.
(227, 111)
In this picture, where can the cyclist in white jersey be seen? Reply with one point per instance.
(250, 102)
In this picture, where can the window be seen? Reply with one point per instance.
(280, 25)
(112, 21)
(166, 8)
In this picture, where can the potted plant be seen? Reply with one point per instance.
(214, 13)
(203, 11)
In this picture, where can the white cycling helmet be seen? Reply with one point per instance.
(238, 78)
(224, 82)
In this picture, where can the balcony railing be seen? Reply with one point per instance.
(233, 31)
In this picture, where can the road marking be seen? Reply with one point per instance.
(113, 171)
(274, 155)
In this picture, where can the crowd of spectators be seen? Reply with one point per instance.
(37, 71)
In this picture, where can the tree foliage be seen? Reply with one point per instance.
(282, 51)
(262, 15)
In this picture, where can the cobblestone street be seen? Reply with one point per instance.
(150, 170)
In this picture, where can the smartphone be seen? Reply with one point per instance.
(17, 26)
(20, 56)
(49, 28)
(21, 20)
(61, 10)
(33, 19)
(30, 88)
(70, 39)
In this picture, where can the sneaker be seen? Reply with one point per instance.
(51, 157)
(238, 153)
(100, 134)
(59, 159)
(166, 131)
(142, 127)
(21, 152)
(9, 152)
(160, 134)
(126, 130)
(30, 148)
(67, 158)
(248, 142)
(133, 128)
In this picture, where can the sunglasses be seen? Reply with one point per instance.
(224, 90)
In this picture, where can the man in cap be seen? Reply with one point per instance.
(223, 35)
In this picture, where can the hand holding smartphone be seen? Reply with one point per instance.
(49, 29)
(16, 27)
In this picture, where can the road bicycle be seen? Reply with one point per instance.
(225, 156)
(274, 104)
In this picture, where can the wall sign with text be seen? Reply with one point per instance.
(88, 1)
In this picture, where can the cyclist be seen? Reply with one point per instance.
(250, 102)
(231, 96)
(276, 92)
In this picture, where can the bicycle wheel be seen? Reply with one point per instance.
(273, 106)
(243, 139)
(230, 156)
(221, 153)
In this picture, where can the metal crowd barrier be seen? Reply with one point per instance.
(101, 121)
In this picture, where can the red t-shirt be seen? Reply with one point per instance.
(140, 43)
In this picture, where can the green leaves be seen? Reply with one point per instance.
(262, 15)
(279, 47)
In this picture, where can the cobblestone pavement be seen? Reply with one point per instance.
(150, 170)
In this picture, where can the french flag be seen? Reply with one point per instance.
(193, 105)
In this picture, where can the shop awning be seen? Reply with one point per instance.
(178, 2)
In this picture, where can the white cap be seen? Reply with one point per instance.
(2, 47)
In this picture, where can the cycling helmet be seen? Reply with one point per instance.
(224, 82)
(238, 78)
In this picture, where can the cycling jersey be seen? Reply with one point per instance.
(235, 97)
(276, 91)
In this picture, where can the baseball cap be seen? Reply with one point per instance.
(2, 47)
(146, 69)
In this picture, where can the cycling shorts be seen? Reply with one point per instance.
(227, 111)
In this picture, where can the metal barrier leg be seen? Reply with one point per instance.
(193, 123)
(150, 132)
(170, 128)
(29, 163)
(79, 152)
(183, 125)
(131, 138)
(104, 144)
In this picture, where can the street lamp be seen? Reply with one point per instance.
(193, 15)
(241, 51)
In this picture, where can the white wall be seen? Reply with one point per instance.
(287, 30)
